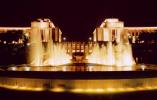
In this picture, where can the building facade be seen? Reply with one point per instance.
(114, 30)
(111, 30)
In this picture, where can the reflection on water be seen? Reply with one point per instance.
(81, 68)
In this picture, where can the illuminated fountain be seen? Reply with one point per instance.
(117, 51)
(43, 50)
(115, 55)
(110, 68)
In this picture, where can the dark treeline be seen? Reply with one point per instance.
(11, 51)
(145, 48)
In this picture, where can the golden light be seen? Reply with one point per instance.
(82, 90)
(79, 90)
(129, 89)
(58, 89)
(115, 54)
(110, 89)
(120, 55)
(41, 55)
(99, 90)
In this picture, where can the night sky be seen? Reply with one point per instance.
(78, 18)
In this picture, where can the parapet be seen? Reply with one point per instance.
(112, 23)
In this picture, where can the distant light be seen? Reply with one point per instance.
(64, 38)
(143, 67)
(4, 42)
(13, 42)
(90, 38)
(27, 34)
(28, 44)
(13, 68)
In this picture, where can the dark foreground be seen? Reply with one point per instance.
(25, 95)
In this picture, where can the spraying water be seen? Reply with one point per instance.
(116, 50)
(42, 50)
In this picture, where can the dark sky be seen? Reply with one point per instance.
(78, 18)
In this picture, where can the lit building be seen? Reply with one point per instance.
(109, 30)
(47, 30)
(113, 30)
(41, 26)
(24, 29)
